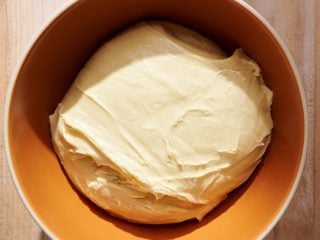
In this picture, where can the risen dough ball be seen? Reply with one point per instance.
(160, 125)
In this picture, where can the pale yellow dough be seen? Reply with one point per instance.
(160, 125)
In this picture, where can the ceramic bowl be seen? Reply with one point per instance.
(52, 62)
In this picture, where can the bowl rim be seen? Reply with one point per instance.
(67, 6)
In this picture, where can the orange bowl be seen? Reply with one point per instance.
(51, 64)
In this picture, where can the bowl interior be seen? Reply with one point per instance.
(53, 63)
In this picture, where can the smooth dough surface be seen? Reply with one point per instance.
(160, 125)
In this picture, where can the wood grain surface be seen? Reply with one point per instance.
(296, 21)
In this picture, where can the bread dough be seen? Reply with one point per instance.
(160, 125)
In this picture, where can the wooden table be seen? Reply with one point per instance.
(296, 21)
